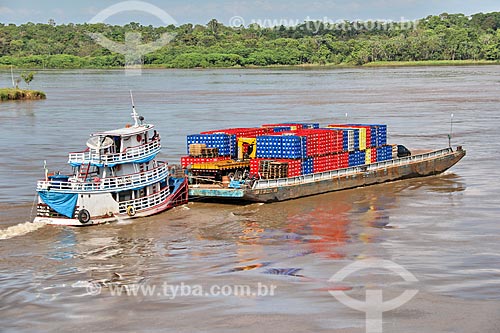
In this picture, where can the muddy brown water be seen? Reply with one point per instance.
(443, 229)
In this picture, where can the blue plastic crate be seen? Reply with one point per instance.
(307, 166)
(282, 129)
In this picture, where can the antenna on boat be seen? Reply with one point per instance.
(135, 116)
(46, 171)
(451, 130)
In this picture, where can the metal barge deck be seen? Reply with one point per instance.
(421, 165)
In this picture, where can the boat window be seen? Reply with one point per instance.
(118, 142)
(125, 196)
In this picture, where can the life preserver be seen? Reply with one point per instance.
(130, 211)
(97, 179)
(139, 138)
(84, 216)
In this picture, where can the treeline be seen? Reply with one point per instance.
(443, 37)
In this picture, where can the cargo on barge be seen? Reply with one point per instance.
(280, 162)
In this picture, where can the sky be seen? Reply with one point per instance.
(233, 12)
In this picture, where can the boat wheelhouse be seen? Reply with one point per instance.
(116, 177)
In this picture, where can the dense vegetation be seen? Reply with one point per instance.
(443, 37)
(7, 94)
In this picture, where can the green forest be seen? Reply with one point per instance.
(445, 37)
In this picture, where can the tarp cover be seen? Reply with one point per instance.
(176, 182)
(63, 203)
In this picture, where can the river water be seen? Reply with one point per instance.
(442, 229)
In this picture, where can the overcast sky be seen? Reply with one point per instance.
(200, 11)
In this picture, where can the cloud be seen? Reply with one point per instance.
(5, 10)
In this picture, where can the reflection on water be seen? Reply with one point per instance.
(443, 229)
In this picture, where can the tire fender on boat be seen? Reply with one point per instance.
(84, 216)
(130, 211)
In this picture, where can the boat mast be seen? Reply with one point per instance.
(135, 116)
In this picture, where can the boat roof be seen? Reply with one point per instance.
(126, 131)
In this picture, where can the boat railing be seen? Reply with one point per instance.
(128, 155)
(110, 184)
(145, 202)
(315, 177)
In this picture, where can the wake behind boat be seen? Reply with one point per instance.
(117, 177)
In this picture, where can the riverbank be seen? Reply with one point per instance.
(431, 63)
(299, 66)
(13, 94)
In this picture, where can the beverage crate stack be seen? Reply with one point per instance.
(293, 146)
(321, 141)
(189, 160)
(357, 158)
(373, 155)
(365, 135)
(350, 137)
(287, 146)
(255, 166)
(269, 146)
(283, 127)
(384, 153)
(373, 140)
(221, 141)
(378, 135)
(293, 149)
(242, 132)
(309, 125)
(381, 137)
(236, 133)
(294, 126)
(343, 160)
(307, 166)
(368, 156)
(294, 167)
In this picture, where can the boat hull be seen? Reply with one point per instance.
(179, 197)
(292, 188)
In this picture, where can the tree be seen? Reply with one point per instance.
(28, 77)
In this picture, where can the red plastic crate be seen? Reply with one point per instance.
(374, 155)
(242, 132)
(271, 126)
(188, 160)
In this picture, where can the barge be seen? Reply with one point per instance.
(289, 161)
(272, 190)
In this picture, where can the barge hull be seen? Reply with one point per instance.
(423, 168)
(265, 191)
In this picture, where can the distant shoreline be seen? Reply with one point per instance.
(420, 63)
(14, 94)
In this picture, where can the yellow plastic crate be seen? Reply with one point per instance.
(368, 158)
(362, 138)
